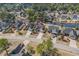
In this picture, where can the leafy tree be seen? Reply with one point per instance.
(29, 11)
(7, 16)
(55, 52)
(40, 7)
(3, 15)
(4, 44)
(32, 16)
(30, 49)
(39, 49)
(49, 44)
(10, 16)
(46, 48)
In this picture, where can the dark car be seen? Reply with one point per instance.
(17, 50)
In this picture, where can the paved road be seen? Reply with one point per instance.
(72, 43)
(64, 47)
(67, 48)
(20, 37)
(13, 37)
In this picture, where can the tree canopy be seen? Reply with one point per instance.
(4, 44)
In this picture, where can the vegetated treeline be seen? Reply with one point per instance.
(13, 6)
(40, 6)
(58, 7)
(35, 10)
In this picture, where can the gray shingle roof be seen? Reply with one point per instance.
(55, 31)
(67, 31)
(77, 31)
(73, 34)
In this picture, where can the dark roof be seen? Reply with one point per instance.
(73, 34)
(74, 16)
(77, 31)
(64, 17)
(67, 31)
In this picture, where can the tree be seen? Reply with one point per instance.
(55, 52)
(44, 47)
(49, 44)
(3, 15)
(30, 12)
(4, 44)
(39, 49)
(32, 16)
(7, 16)
(30, 49)
(10, 16)
(40, 7)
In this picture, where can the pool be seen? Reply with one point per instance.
(71, 25)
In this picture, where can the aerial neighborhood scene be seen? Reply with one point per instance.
(39, 29)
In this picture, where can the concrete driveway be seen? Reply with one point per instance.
(28, 33)
(40, 35)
